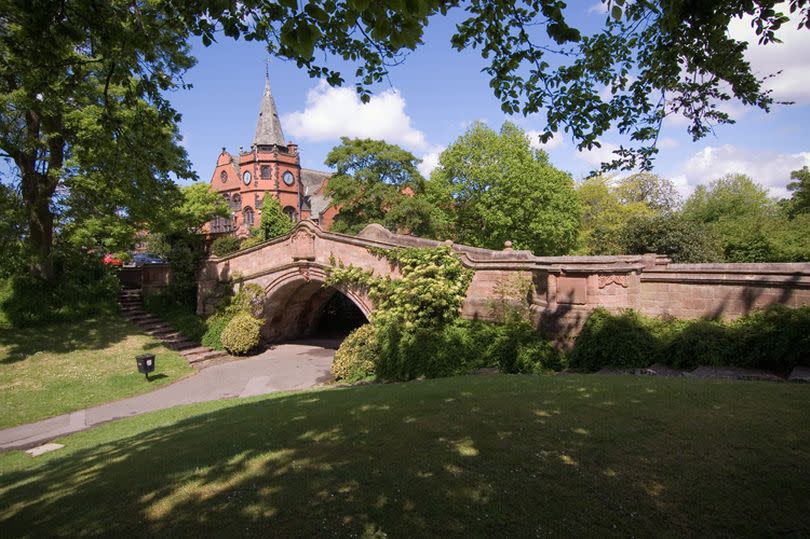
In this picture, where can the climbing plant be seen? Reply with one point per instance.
(428, 294)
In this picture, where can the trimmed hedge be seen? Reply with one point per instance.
(242, 334)
(777, 339)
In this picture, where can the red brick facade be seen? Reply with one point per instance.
(271, 165)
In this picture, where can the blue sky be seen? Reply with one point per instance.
(438, 92)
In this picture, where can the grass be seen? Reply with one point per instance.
(507, 456)
(62, 367)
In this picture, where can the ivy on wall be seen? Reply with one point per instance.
(429, 293)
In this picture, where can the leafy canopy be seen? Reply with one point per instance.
(377, 182)
(495, 188)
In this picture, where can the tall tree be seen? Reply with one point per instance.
(799, 201)
(500, 189)
(82, 107)
(372, 179)
(729, 197)
(604, 216)
(657, 193)
(274, 222)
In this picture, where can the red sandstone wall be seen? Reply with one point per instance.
(564, 289)
(722, 291)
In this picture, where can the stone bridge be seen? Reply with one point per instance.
(564, 290)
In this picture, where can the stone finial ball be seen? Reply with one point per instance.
(507, 245)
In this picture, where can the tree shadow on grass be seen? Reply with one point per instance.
(62, 337)
(486, 456)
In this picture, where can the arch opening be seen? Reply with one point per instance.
(307, 310)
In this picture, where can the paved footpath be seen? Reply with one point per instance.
(284, 367)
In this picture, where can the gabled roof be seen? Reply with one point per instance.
(268, 127)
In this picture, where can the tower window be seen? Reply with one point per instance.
(258, 201)
(265, 172)
(290, 212)
(236, 202)
(247, 216)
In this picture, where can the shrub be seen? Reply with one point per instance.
(252, 241)
(777, 338)
(215, 325)
(626, 340)
(354, 359)
(83, 287)
(461, 347)
(250, 298)
(242, 334)
(697, 342)
(225, 245)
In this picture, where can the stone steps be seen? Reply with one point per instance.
(199, 357)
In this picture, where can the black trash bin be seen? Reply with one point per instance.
(146, 363)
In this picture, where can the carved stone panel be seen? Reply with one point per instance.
(302, 245)
(572, 290)
(605, 280)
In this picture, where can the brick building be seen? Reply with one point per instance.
(271, 165)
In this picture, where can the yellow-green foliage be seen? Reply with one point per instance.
(242, 334)
(252, 241)
(433, 284)
(355, 358)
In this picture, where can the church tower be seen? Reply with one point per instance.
(273, 166)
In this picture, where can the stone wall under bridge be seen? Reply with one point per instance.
(563, 290)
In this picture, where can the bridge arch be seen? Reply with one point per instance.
(297, 301)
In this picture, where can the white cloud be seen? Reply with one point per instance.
(596, 156)
(534, 140)
(332, 113)
(599, 7)
(770, 169)
(790, 56)
(430, 160)
(667, 143)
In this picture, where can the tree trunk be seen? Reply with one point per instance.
(40, 226)
(37, 188)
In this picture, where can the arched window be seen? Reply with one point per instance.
(265, 172)
(291, 213)
(247, 216)
(236, 202)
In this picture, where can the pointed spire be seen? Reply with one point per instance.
(268, 128)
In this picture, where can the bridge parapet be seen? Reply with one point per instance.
(563, 291)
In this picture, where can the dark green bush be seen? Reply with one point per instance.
(355, 358)
(242, 334)
(516, 347)
(83, 287)
(225, 245)
(622, 341)
(462, 347)
(698, 342)
(777, 338)
(215, 325)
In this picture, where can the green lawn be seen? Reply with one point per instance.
(59, 368)
(487, 456)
